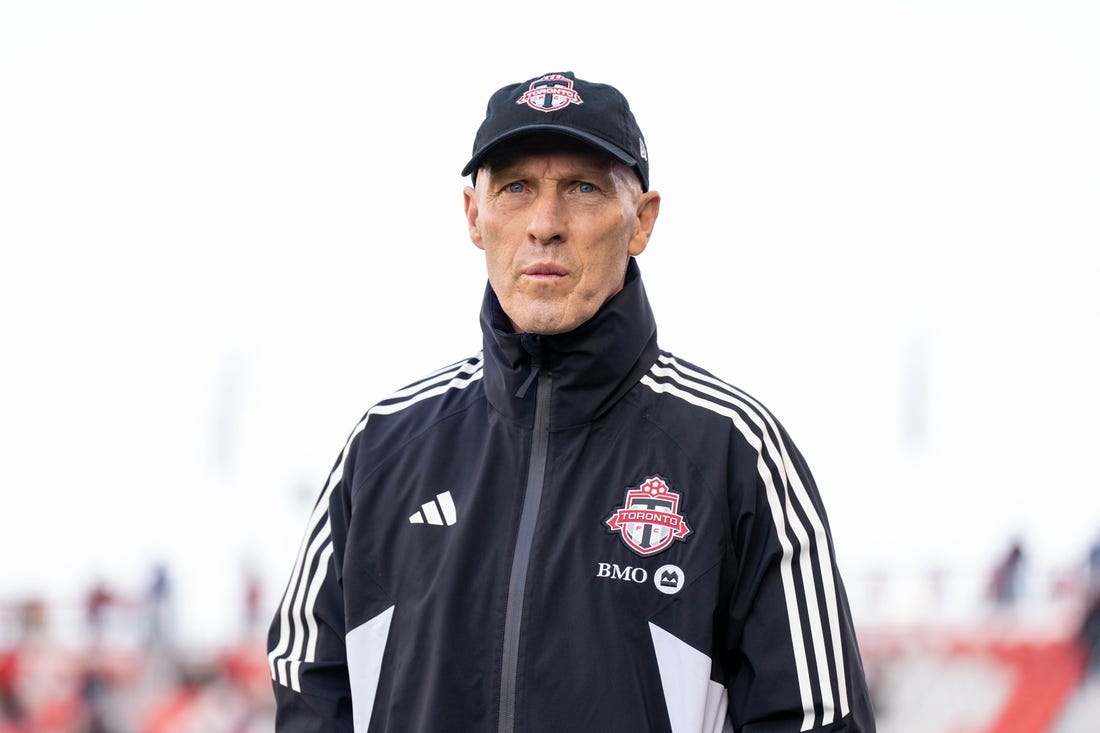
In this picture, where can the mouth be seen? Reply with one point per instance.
(545, 271)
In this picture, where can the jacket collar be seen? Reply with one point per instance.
(591, 367)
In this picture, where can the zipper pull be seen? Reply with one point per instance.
(522, 391)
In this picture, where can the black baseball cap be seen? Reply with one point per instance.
(596, 114)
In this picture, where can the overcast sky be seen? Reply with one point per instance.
(228, 227)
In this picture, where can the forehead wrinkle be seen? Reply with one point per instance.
(565, 167)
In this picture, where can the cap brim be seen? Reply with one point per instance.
(596, 142)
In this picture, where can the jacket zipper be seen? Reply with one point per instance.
(536, 475)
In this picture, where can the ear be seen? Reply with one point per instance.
(649, 205)
(469, 202)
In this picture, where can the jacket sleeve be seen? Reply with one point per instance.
(306, 649)
(793, 662)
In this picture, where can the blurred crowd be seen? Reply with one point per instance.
(121, 671)
(1013, 649)
(1079, 587)
(113, 664)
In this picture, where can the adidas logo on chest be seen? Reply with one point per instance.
(439, 511)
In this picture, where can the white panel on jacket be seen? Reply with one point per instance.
(695, 703)
(365, 645)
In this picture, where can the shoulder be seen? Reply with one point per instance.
(693, 385)
(449, 380)
(688, 392)
(421, 403)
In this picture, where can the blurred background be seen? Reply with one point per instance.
(227, 228)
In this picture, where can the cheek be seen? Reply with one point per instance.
(494, 240)
(609, 263)
(497, 256)
(498, 265)
(604, 273)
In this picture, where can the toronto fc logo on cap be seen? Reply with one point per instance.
(649, 519)
(549, 93)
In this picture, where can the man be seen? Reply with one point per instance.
(572, 530)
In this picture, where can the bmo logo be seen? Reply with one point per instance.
(613, 571)
(668, 579)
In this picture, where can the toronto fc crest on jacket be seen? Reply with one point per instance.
(649, 519)
(583, 533)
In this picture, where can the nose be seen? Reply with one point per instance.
(547, 224)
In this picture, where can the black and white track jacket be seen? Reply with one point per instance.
(568, 534)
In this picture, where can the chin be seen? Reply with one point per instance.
(540, 326)
(549, 320)
(548, 326)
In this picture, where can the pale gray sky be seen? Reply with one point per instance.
(228, 227)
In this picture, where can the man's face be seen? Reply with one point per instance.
(557, 229)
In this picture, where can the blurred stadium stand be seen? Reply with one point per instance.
(943, 653)
(962, 654)
(67, 669)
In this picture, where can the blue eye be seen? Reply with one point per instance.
(586, 187)
(515, 187)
